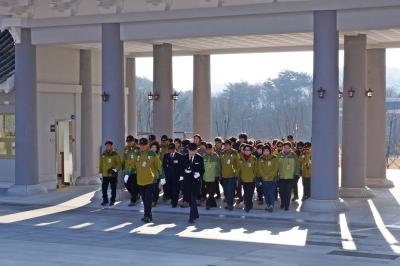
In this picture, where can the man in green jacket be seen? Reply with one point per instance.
(289, 169)
(148, 167)
(229, 172)
(110, 164)
(212, 166)
(128, 160)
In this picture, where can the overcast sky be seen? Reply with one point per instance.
(252, 68)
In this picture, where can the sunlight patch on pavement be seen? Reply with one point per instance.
(74, 203)
(389, 237)
(120, 226)
(80, 226)
(347, 239)
(293, 237)
(151, 229)
(48, 223)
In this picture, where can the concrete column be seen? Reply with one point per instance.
(131, 84)
(162, 84)
(354, 118)
(376, 120)
(26, 154)
(202, 96)
(325, 117)
(113, 110)
(89, 151)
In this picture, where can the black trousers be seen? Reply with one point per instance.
(173, 187)
(186, 190)
(285, 190)
(132, 187)
(218, 190)
(147, 197)
(295, 187)
(259, 188)
(211, 187)
(239, 193)
(194, 191)
(306, 187)
(112, 181)
(248, 194)
(156, 191)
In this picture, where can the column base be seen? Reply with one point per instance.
(88, 180)
(362, 192)
(324, 206)
(26, 190)
(379, 183)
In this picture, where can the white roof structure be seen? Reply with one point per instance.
(200, 26)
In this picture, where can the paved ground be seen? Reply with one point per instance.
(69, 228)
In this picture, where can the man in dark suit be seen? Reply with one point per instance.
(172, 163)
(192, 172)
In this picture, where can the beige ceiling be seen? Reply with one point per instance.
(388, 38)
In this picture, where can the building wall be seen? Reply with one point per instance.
(59, 98)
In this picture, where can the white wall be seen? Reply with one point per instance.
(58, 99)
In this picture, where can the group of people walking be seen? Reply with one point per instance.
(191, 172)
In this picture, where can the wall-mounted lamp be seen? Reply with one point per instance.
(340, 94)
(175, 96)
(105, 96)
(153, 96)
(321, 92)
(369, 93)
(351, 92)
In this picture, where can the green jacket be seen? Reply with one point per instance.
(305, 164)
(148, 167)
(247, 169)
(109, 160)
(212, 167)
(230, 164)
(128, 159)
(268, 168)
(288, 165)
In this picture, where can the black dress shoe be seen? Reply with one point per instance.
(104, 203)
(191, 221)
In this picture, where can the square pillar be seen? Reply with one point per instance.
(376, 120)
(202, 96)
(131, 84)
(162, 85)
(325, 117)
(354, 156)
(26, 146)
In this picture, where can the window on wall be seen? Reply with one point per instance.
(7, 136)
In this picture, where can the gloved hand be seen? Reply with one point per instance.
(196, 175)
(101, 177)
(162, 181)
(114, 170)
(188, 171)
(181, 178)
(126, 177)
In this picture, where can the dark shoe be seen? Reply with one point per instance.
(173, 206)
(191, 221)
(147, 220)
(208, 207)
(132, 204)
(112, 203)
(247, 210)
(104, 203)
(270, 209)
(229, 208)
(286, 209)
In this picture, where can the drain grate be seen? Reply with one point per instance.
(323, 244)
(363, 255)
(337, 235)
